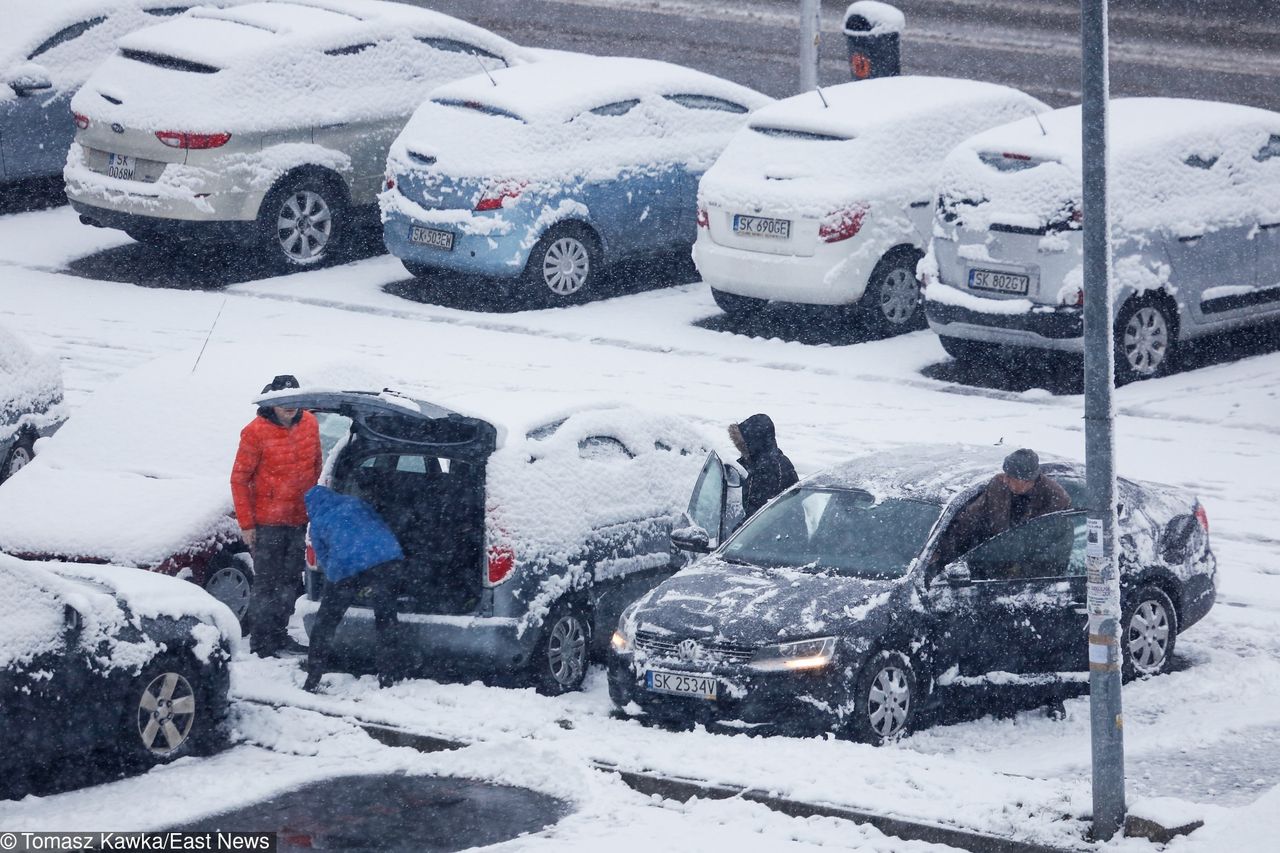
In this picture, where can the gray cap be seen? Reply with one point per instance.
(1022, 464)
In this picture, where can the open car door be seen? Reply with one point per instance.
(715, 506)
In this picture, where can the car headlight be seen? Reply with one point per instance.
(625, 633)
(802, 654)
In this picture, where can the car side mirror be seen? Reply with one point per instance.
(72, 621)
(29, 78)
(732, 477)
(693, 539)
(958, 574)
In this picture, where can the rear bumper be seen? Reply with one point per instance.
(1058, 328)
(484, 244)
(824, 278)
(226, 231)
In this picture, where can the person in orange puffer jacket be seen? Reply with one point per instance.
(277, 462)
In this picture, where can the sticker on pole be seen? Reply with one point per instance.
(1093, 537)
(1102, 587)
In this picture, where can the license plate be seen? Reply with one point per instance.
(682, 684)
(761, 226)
(432, 237)
(122, 167)
(1001, 282)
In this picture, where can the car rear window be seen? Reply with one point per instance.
(707, 102)
(807, 135)
(65, 35)
(478, 107)
(1010, 161)
(172, 63)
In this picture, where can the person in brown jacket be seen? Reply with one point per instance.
(1012, 498)
(277, 462)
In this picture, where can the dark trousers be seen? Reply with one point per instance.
(279, 558)
(335, 600)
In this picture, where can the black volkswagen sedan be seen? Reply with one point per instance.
(105, 667)
(833, 608)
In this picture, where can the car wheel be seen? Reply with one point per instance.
(560, 662)
(1148, 635)
(884, 699)
(563, 267)
(970, 352)
(232, 583)
(891, 303)
(303, 220)
(166, 713)
(19, 456)
(738, 306)
(1146, 338)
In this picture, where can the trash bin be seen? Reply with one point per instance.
(872, 30)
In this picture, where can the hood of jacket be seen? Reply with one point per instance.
(758, 435)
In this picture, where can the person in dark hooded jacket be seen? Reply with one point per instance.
(769, 471)
(357, 551)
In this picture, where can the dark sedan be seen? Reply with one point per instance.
(829, 609)
(108, 665)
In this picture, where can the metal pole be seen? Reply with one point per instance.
(810, 32)
(1107, 722)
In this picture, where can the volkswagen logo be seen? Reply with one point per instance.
(689, 650)
(117, 127)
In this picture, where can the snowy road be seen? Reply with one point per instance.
(1213, 430)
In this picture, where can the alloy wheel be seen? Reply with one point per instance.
(889, 702)
(566, 266)
(567, 650)
(1148, 637)
(304, 227)
(166, 713)
(899, 296)
(230, 585)
(1145, 341)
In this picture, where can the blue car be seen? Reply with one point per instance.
(542, 174)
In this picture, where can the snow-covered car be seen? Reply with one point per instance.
(826, 198)
(1195, 206)
(30, 401)
(105, 659)
(546, 173)
(521, 533)
(840, 606)
(47, 50)
(265, 124)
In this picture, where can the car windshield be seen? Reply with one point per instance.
(843, 531)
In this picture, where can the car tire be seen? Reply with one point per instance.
(738, 306)
(892, 302)
(564, 266)
(1146, 339)
(168, 714)
(20, 454)
(303, 221)
(970, 352)
(230, 581)
(1148, 634)
(560, 660)
(885, 699)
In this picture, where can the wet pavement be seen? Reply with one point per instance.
(415, 814)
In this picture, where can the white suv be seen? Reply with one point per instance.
(826, 198)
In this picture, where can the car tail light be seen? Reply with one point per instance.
(842, 224)
(194, 141)
(389, 182)
(495, 194)
(704, 221)
(82, 121)
(1202, 517)
(1009, 155)
(1073, 298)
(501, 561)
(311, 556)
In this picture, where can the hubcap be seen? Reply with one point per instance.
(889, 701)
(166, 713)
(567, 650)
(1146, 340)
(899, 296)
(566, 266)
(18, 459)
(230, 586)
(304, 226)
(1148, 637)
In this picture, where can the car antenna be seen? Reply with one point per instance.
(1043, 132)
(818, 89)
(212, 326)
(485, 70)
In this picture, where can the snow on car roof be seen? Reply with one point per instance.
(860, 107)
(559, 89)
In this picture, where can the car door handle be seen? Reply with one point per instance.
(926, 203)
(1191, 239)
(1269, 226)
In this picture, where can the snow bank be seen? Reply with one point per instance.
(365, 60)
(30, 385)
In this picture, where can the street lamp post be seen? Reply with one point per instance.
(1105, 661)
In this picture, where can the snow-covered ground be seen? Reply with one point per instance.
(1205, 734)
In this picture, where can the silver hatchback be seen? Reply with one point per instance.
(1195, 203)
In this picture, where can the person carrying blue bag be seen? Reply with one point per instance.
(357, 550)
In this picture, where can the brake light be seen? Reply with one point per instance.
(311, 556)
(1202, 517)
(704, 221)
(501, 561)
(82, 121)
(1010, 156)
(1074, 298)
(842, 224)
(194, 141)
(495, 194)
(389, 182)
